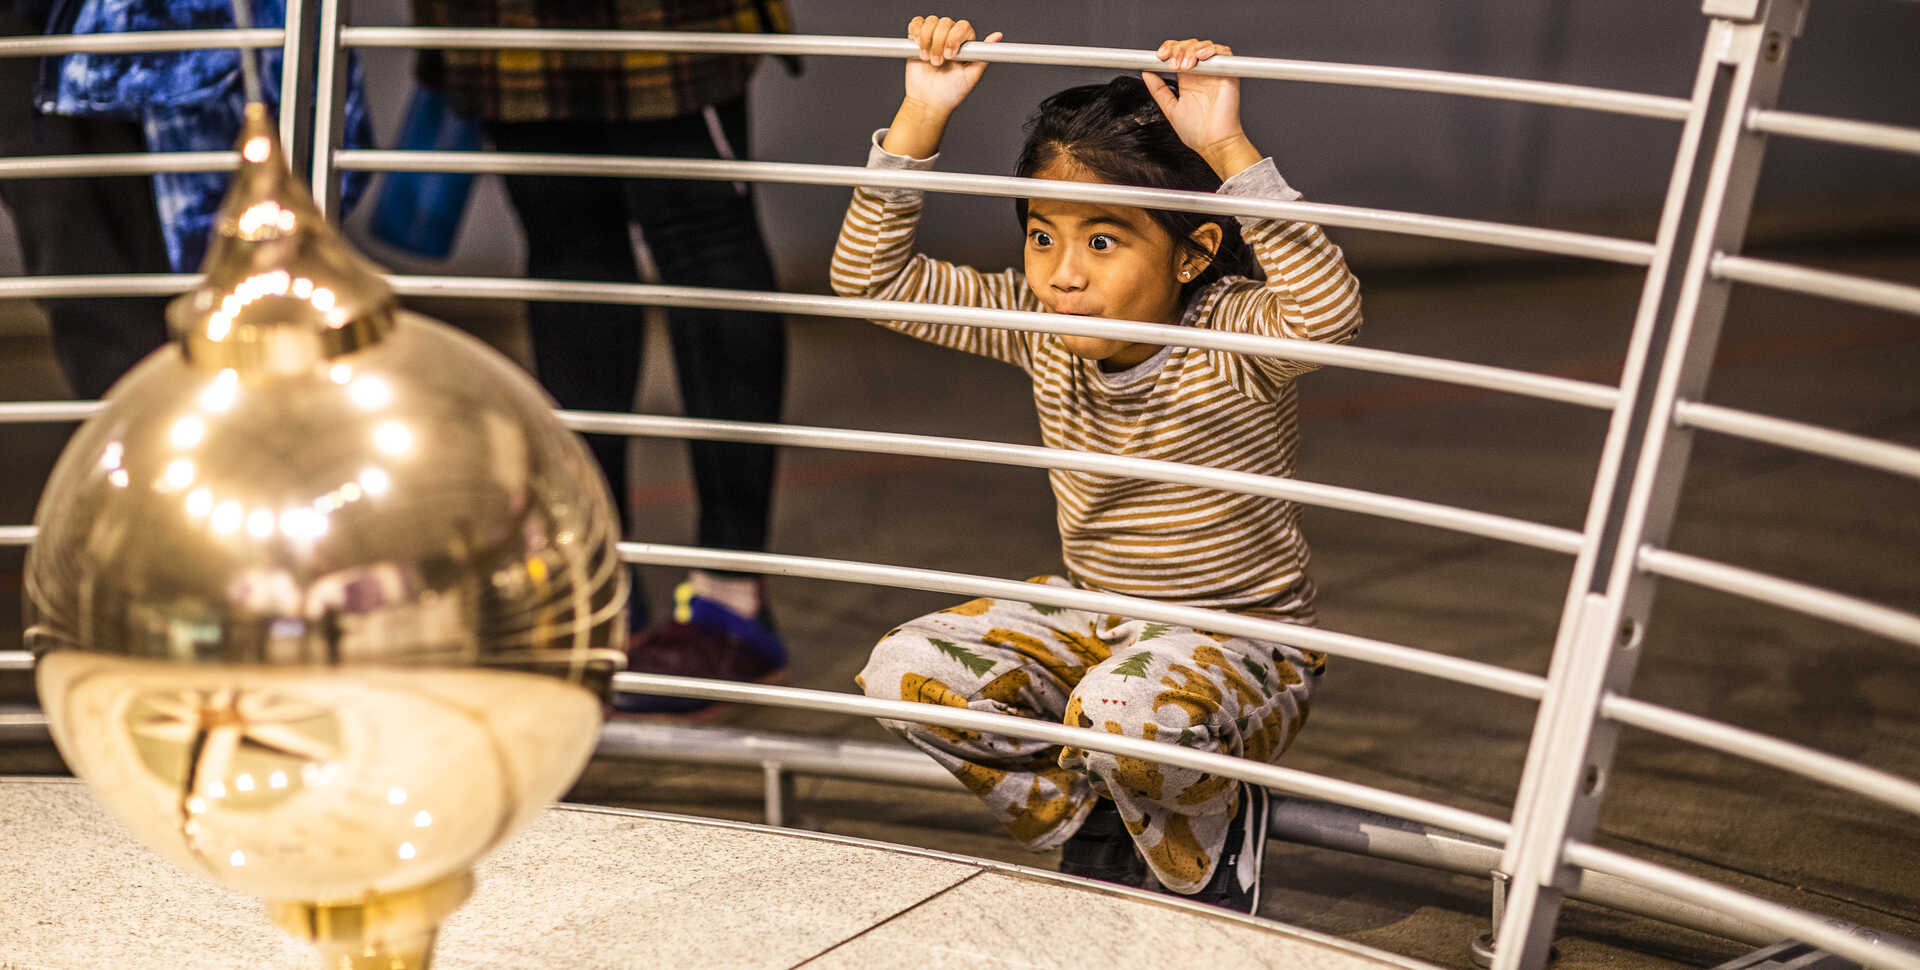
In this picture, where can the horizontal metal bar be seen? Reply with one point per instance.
(1814, 440)
(1432, 514)
(29, 412)
(1523, 383)
(1264, 68)
(1526, 384)
(1845, 775)
(140, 41)
(23, 725)
(60, 287)
(1817, 282)
(1290, 780)
(1328, 826)
(1799, 597)
(1861, 134)
(1504, 528)
(132, 163)
(15, 660)
(1469, 672)
(1559, 241)
(1882, 951)
(705, 744)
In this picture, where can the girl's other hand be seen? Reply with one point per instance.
(935, 82)
(1205, 113)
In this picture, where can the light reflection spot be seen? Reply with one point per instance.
(227, 517)
(392, 437)
(406, 850)
(179, 473)
(370, 392)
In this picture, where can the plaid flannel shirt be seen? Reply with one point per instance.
(510, 85)
(184, 101)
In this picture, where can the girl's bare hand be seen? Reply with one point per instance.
(1205, 112)
(935, 81)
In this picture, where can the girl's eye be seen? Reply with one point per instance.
(1102, 243)
(1039, 237)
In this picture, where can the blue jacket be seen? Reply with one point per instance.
(185, 100)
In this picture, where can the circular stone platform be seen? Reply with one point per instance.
(588, 888)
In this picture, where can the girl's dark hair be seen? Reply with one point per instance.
(1118, 134)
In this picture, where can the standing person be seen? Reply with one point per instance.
(1116, 817)
(184, 101)
(730, 364)
(87, 226)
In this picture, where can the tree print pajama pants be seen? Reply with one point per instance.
(1155, 681)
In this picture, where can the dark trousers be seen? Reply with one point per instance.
(730, 364)
(81, 226)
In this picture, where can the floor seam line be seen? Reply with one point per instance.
(977, 873)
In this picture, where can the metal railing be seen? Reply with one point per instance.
(1543, 852)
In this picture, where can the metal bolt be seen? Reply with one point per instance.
(1629, 634)
(1776, 46)
(1591, 782)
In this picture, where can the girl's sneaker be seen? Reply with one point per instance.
(705, 639)
(1236, 880)
(1103, 849)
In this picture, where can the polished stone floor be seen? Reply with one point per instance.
(608, 889)
(1761, 667)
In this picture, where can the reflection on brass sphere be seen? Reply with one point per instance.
(325, 599)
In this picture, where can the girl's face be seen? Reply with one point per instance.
(1101, 261)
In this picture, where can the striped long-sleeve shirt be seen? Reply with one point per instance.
(1179, 543)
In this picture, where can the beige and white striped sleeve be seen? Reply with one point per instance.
(1309, 293)
(874, 258)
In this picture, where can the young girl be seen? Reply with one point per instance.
(1200, 835)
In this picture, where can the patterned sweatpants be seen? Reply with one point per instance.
(1155, 681)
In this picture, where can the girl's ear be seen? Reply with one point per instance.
(1207, 240)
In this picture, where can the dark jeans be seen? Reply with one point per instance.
(81, 225)
(730, 364)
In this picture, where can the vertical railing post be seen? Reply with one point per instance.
(1642, 465)
(296, 85)
(329, 103)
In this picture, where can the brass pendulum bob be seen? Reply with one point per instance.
(325, 601)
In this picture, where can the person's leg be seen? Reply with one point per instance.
(1008, 658)
(82, 226)
(731, 364)
(587, 355)
(1205, 691)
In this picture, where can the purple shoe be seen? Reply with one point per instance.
(705, 639)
